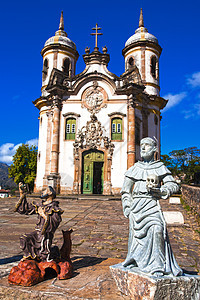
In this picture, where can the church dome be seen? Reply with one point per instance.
(60, 37)
(141, 34)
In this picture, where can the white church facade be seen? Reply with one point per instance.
(91, 123)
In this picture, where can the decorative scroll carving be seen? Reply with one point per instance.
(91, 136)
(94, 97)
(56, 102)
(66, 82)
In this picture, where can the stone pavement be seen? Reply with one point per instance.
(99, 240)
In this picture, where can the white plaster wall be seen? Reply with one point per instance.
(99, 68)
(66, 163)
(66, 160)
(109, 90)
(149, 78)
(41, 150)
(152, 90)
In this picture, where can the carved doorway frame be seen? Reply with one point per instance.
(91, 137)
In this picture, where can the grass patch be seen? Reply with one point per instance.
(185, 205)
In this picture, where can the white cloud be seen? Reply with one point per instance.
(194, 80)
(8, 150)
(194, 112)
(174, 99)
(33, 142)
(188, 114)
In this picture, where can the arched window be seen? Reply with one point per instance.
(45, 68)
(70, 129)
(131, 62)
(154, 67)
(66, 66)
(116, 129)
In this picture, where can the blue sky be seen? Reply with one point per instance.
(25, 26)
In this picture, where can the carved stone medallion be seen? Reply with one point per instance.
(94, 98)
(91, 136)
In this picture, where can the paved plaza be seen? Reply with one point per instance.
(99, 240)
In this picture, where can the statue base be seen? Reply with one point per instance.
(138, 285)
(31, 272)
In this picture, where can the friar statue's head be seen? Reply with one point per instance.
(148, 147)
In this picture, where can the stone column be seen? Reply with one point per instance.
(131, 132)
(107, 188)
(54, 178)
(143, 71)
(76, 169)
(48, 148)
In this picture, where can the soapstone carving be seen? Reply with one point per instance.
(145, 183)
(37, 245)
(40, 258)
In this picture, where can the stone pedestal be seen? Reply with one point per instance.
(138, 285)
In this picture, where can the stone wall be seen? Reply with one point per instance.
(191, 195)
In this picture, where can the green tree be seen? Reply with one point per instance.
(168, 161)
(183, 163)
(24, 165)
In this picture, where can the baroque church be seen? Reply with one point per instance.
(91, 123)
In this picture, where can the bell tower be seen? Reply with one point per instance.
(143, 51)
(59, 52)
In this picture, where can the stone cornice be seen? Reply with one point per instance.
(40, 102)
(158, 101)
(116, 113)
(60, 47)
(142, 44)
(128, 83)
(69, 114)
(96, 57)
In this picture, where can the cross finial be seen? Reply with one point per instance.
(61, 25)
(141, 21)
(96, 35)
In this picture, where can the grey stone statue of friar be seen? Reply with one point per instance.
(145, 183)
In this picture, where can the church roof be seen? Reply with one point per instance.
(60, 37)
(141, 34)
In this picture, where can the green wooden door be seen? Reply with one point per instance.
(88, 177)
(92, 162)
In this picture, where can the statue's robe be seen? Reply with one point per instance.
(37, 245)
(148, 245)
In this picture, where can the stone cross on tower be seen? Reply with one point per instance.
(96, 35)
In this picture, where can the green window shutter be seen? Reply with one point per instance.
(70, 129)
(116, 129)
